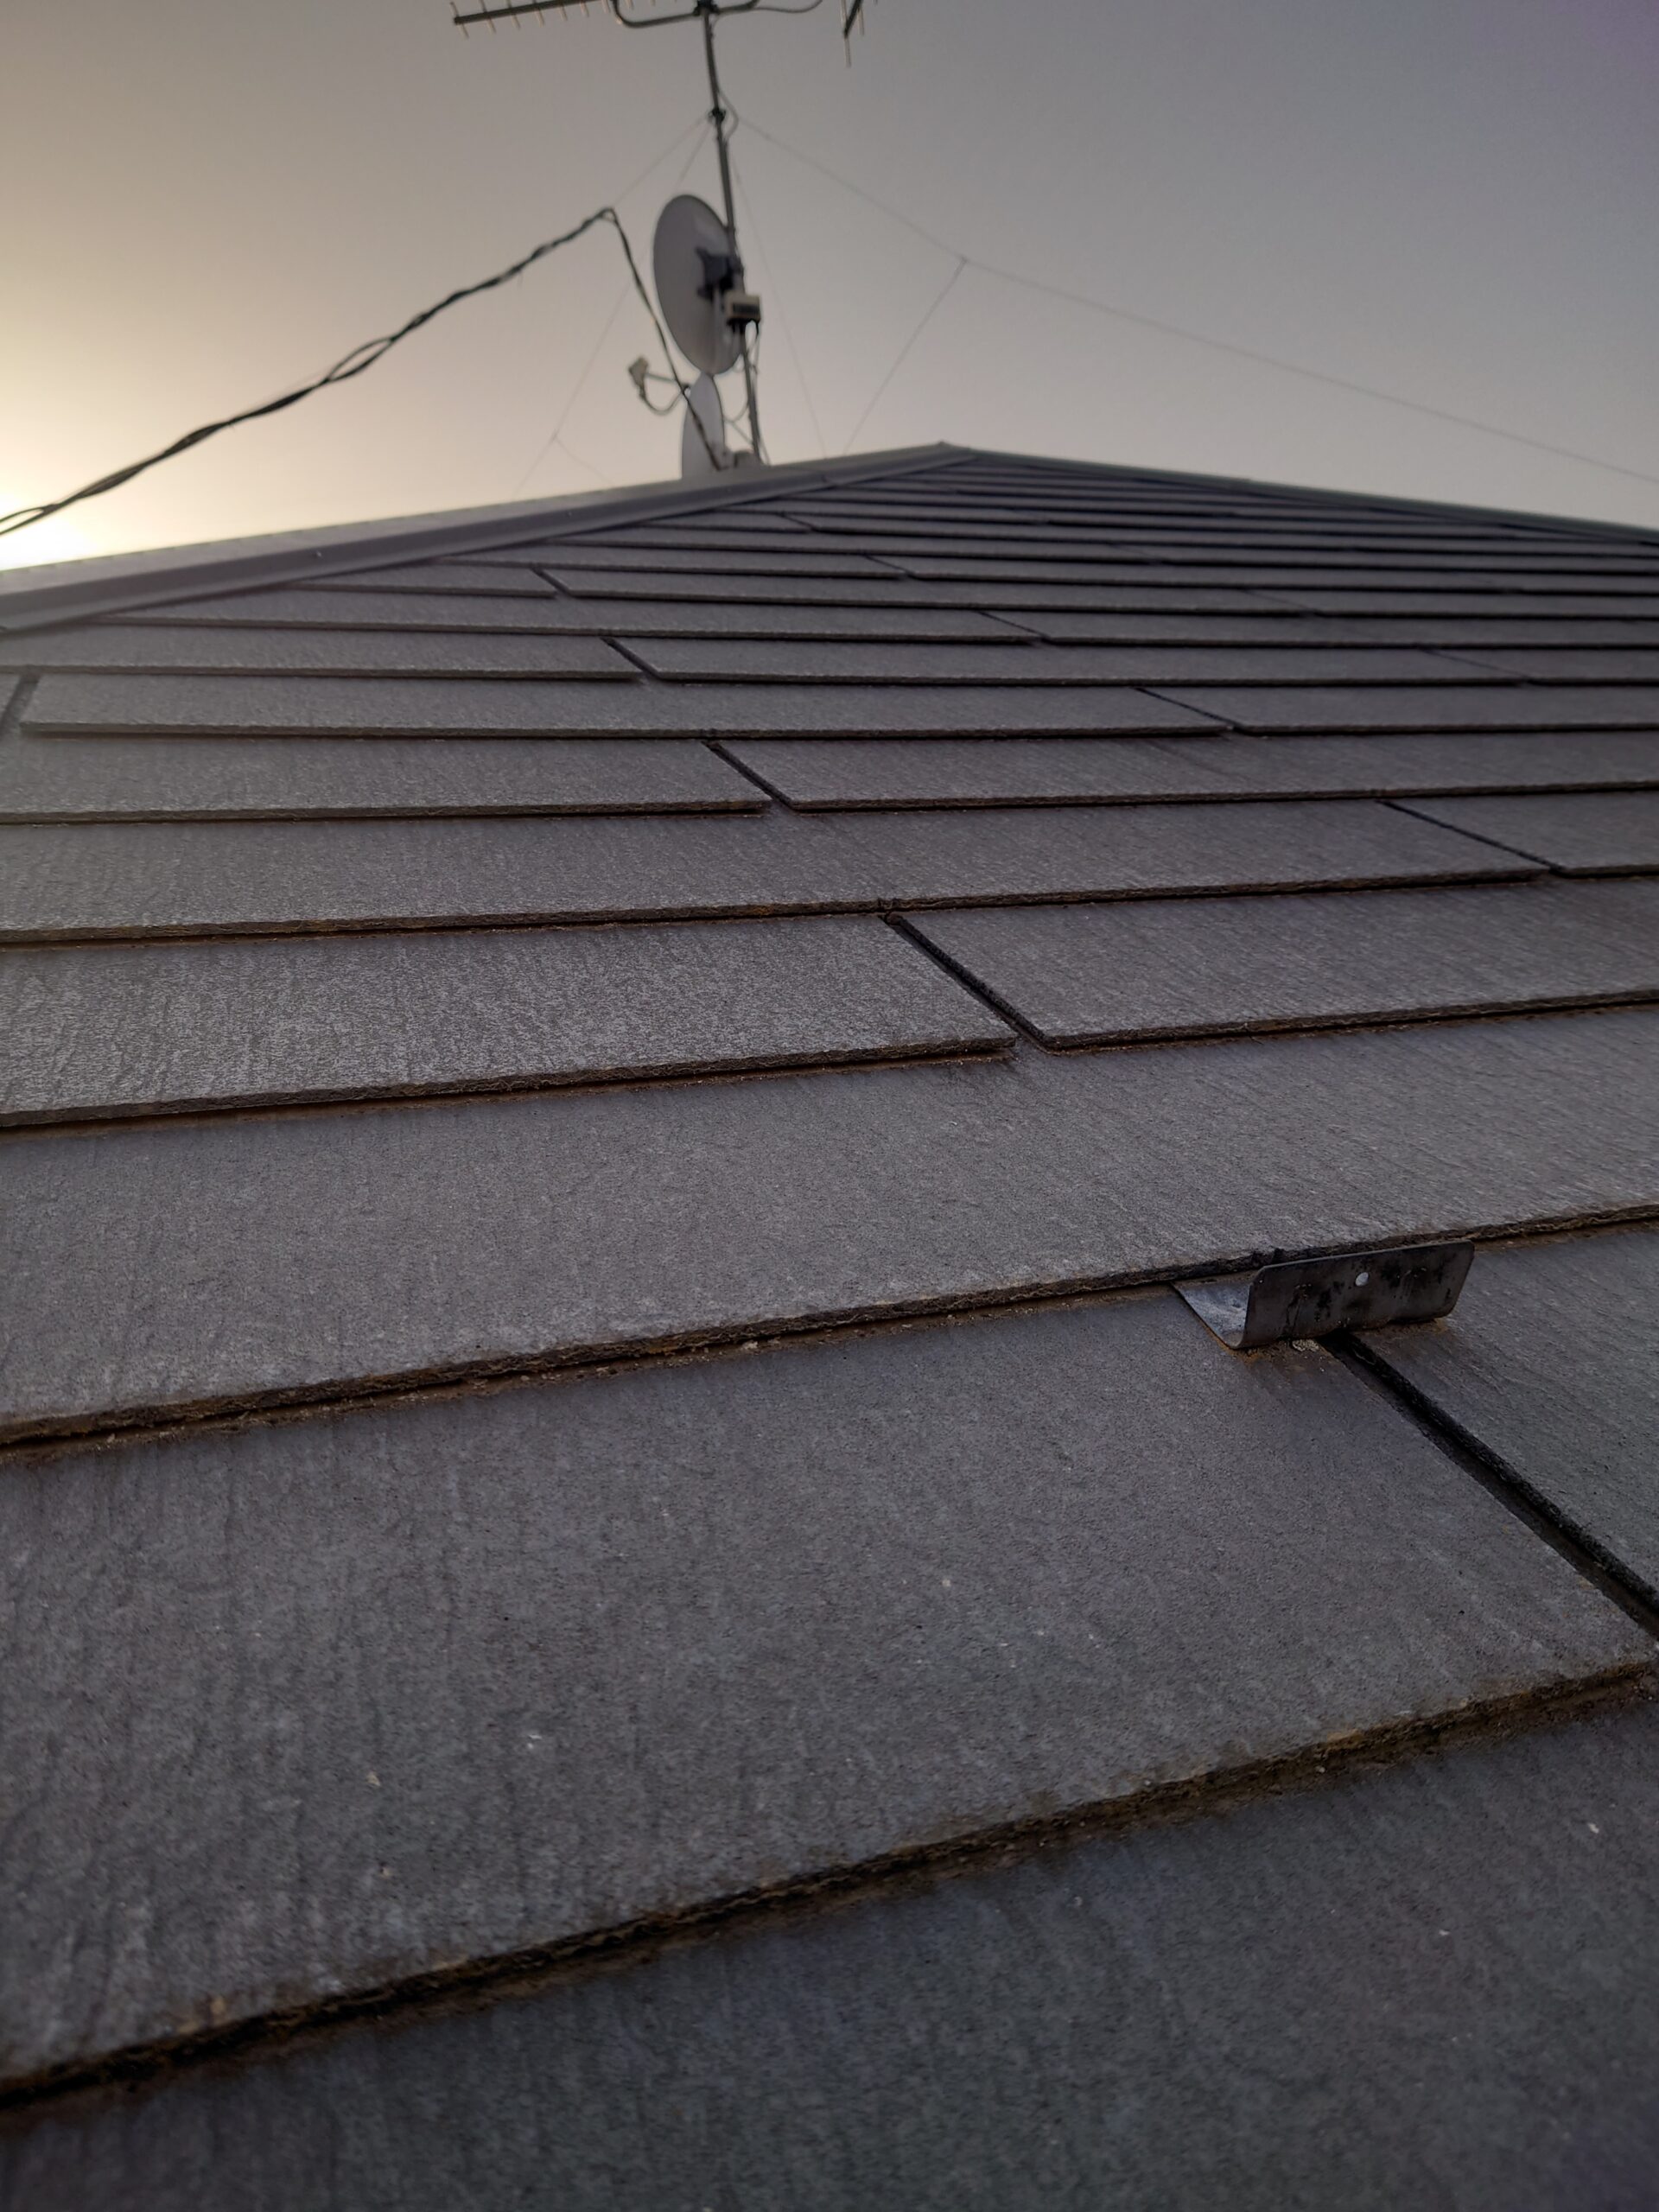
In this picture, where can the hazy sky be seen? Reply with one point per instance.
(1457, 200)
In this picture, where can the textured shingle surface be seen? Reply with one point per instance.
(1189, 967)
(137, 878)
(1554, 663)
(1590, 834)
(355, 604)
(983, 771)
(765, 661)
(122, 1029)
(1052, 793)
(454, 1238)
(1420, 1984)
(160, 778)
(990, 771)
(1104, 852)
(1626, 603)
(148, 878)
(512, 574)
(224, 651)
(1551, 1363)
(888, 588)
(1426, 706)
(319, 705)
(1069, 1596)
(1427, 1985)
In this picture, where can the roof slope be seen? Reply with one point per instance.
(598, 1105)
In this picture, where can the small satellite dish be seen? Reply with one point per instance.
(703, 406)
(696, 265)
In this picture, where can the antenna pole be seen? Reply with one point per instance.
(707, 9)
(494, 12)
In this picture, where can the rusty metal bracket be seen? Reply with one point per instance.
(1341, 1290)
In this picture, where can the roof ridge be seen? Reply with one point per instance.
(112, 583)
(1530, 517)
(116, 583)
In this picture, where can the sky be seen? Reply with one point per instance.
(1452, 201)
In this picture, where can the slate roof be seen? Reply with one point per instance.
(600, 1103)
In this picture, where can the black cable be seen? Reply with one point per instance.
(353, 364)
(556, 436)
(661, 335)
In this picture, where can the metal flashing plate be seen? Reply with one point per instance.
(1340, 1290)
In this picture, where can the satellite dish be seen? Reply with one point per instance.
(703, 406)
(696, 265)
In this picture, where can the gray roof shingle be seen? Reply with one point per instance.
(1093, 974)
(1604, 833)
(1572, 1414)
(1425, 1982)
(289, 778)
(1072, 1598)
(1189, 868)
(812, 772)
(573, 1227)
(92, 1031)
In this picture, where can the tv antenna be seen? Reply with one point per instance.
(697, 261)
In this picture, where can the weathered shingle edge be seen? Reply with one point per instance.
(66, 590)
(483, 1978)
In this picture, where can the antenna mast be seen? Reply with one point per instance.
(706, 12)
(707, 9)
